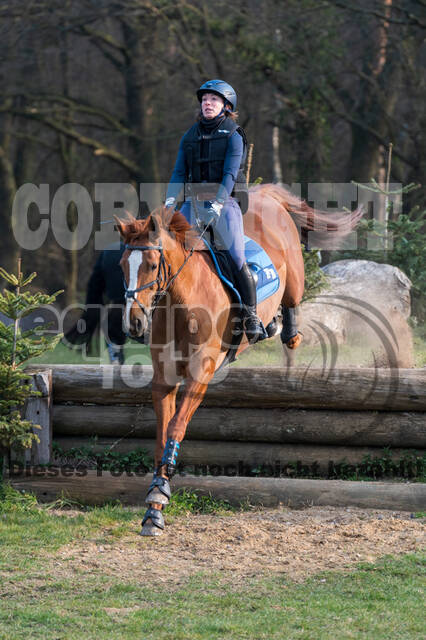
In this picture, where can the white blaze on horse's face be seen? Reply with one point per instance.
(134, 261)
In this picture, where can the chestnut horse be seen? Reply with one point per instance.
(168, 270)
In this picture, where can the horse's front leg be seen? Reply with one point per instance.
(164, 401)
(196, 383)
(195, 388)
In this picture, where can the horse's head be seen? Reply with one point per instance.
(147, 263)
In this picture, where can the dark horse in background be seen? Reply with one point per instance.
(174, 292)
(104, 306)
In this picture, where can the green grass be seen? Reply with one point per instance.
(419, 341)
(268, 353)
(134, 353)
(383, 600)
(183, 502)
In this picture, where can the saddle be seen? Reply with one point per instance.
(265, 275)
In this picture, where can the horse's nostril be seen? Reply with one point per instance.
(138, 325)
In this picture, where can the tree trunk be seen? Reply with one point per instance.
(9, 249)
(1, 471)
(379, 91)
(67, 149)
(139, 100)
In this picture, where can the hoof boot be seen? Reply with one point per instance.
(159, 491)
(152, 523)
(150, 530)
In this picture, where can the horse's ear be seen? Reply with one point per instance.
(120, 226)
(155, 224)
(167, 214)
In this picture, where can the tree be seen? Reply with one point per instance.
(16, 348)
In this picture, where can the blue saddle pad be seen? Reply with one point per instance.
(266, 276)
(268, 280)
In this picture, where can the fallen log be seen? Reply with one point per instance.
(357, 428)
(240, 458)
(347, 389)
(269, 492)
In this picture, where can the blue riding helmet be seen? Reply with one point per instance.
(223, 89)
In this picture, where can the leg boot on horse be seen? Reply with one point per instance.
(289, 334)
(159, 493)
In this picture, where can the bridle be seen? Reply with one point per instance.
(164, 279)
(163, 275)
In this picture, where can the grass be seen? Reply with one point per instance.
(134, 353)
(381, 600)
(268, 353)
(419, 341)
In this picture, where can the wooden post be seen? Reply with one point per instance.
(249, 161)
(38, 410)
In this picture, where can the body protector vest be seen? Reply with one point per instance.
(205, 156)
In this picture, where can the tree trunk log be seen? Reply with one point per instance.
(298, 426)
(269, 492)
(347, 389)
(240, 458)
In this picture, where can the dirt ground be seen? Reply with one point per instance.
(297, 544)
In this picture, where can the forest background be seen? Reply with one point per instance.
(101, 91)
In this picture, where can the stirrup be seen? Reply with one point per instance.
(158, 491)
(255, 332)
(272, 328)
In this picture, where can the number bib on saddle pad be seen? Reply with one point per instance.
(266, 276)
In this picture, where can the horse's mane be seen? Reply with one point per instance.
(174, 223)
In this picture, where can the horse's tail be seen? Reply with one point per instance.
(324, 229)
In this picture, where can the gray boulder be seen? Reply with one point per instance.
(365, 307)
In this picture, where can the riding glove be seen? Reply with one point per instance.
(214, 211)
(170, 203)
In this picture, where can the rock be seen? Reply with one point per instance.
(366, 305)
(384, 285)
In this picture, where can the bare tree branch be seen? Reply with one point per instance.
(411, 20)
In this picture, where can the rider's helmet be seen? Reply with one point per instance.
(223, 89)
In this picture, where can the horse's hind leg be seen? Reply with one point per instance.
(290, 337)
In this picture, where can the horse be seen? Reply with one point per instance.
(105, 284)
(173, 293)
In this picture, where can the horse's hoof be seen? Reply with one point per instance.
(150, 529)
(156, 496)
(294, 342)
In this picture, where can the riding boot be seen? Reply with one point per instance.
(247, 288)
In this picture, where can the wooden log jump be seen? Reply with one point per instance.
(343, 389)
(292, 426)
(239, 458)
(249, 419)
(92, 488)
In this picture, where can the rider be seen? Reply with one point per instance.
(209, 167)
